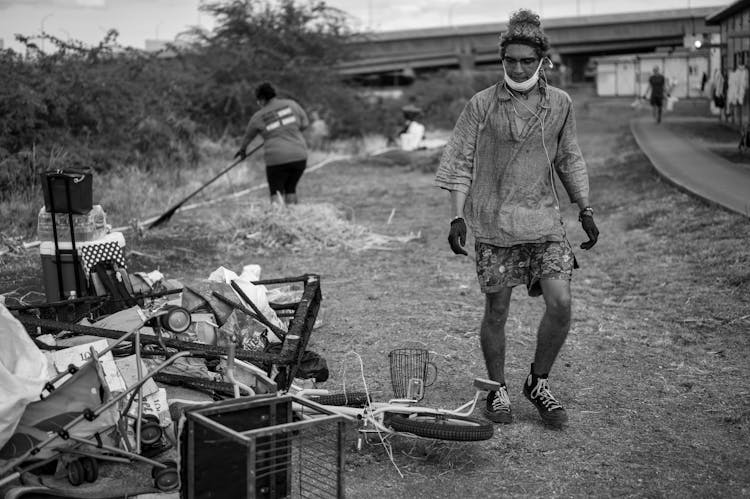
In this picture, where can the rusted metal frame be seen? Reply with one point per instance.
(197, 348)
(303, 322)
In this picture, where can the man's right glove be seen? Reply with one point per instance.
(586, 217)
(457, 236)
(241, 154)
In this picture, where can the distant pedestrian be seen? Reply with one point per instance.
(317, 134)
(411, 134)
(280, 123)
(656, 93)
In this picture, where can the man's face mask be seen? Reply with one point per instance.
(521, 67)
(525, 85)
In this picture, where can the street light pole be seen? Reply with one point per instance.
(41, 27)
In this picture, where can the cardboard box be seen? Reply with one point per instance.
(80, 354)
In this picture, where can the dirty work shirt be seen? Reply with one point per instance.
(280, 123)
(504, 171)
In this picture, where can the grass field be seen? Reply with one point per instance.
(653, 374)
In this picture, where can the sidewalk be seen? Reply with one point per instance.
(692, 167)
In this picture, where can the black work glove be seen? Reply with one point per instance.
(589, 227)
(241, 154)
(457, 236)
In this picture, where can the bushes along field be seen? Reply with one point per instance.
(120, 110)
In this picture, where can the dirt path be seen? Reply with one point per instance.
(653, 374)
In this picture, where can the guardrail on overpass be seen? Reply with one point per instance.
(571, 37)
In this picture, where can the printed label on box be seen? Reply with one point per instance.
(80, 354)
(129, 371)
(155, 404)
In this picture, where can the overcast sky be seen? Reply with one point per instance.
(138, 20)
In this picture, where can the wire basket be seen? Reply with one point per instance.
(255, 448)
(409, 368)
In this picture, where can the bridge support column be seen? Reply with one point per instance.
(466, 61)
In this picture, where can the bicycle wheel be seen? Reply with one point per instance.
(442, 426)
(348, 399)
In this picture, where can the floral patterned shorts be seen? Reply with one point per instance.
(499, 267)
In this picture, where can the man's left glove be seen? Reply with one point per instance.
(457, 236)
(586, 217)
(241, 154)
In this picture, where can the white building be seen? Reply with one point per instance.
(627, 75)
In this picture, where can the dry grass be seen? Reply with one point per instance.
(265, 227)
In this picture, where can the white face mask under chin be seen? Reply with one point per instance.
(523, 86)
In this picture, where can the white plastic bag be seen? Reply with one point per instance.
(23, 373)
(258, 295)
(671, 100)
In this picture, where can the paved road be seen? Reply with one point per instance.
(693, 167)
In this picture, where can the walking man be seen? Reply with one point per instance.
(656, 84)
(499, 168)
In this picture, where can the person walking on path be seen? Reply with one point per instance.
(499, 168)
(655, 93)
(280, 123)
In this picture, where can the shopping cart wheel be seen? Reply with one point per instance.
(150, 430)
(75, 472)
(167, 479)
(156, 469)
(90, 468)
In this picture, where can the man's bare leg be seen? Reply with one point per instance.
(555, 324)
(492, 337)
(492, 333)
(290, 198)
(553, 330)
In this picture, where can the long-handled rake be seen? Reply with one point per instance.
(168, 214)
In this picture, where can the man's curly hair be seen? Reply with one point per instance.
(525, 27)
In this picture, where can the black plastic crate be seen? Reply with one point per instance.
(67, 191)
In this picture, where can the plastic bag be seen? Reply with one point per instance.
(671, 100)
(23, 373)
(258, 295)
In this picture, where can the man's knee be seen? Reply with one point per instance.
(558, 306)
(496, 308)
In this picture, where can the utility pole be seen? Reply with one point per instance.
(41, 27)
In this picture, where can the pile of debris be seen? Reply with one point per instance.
(312, 227)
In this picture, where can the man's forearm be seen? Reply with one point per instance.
(457, 204)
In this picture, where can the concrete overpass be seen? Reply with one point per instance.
(573, 40)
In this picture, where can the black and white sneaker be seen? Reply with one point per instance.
(498, 406)
(550, 410)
